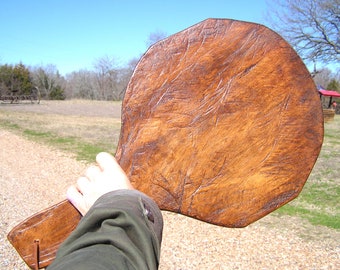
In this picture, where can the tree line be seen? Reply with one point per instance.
(107, 81)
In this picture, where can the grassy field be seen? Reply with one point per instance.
(82, 135)
(85, 136)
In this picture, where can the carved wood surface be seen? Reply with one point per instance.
(50, 228)
(220, 122)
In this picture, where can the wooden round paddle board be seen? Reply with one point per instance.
(221, 122)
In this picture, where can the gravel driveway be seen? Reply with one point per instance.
(34, 176)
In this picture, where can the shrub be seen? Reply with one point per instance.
(57, 93)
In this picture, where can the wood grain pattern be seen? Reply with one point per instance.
(51, 227)
(221, 122)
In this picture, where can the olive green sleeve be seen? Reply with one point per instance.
(122, 230)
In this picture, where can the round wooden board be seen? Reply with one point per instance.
(221, 122)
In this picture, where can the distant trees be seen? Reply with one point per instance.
(20, 80)
(107, 81)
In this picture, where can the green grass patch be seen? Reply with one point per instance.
(321, 195)
(318, 203)
(37, 134)
(330, 136)
(314, 217)
(89, 152)
(9, 125)
(83, 151)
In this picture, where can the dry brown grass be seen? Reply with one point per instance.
(94, 122)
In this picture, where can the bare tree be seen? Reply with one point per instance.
(106, 71)
(81, 84)
(311, 27)
(47, 79)
(323, 78)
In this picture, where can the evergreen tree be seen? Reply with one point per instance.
(15, 80)
(22, 80)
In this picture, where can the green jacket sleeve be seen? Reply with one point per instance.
(122, 230)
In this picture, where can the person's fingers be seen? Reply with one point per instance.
(107, 162)
(75, 197)
(109, 165)
(98, 180)
(92, 172)
(83, 185)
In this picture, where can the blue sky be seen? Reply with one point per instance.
(72, 34)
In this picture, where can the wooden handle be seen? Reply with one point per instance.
(38, 238)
